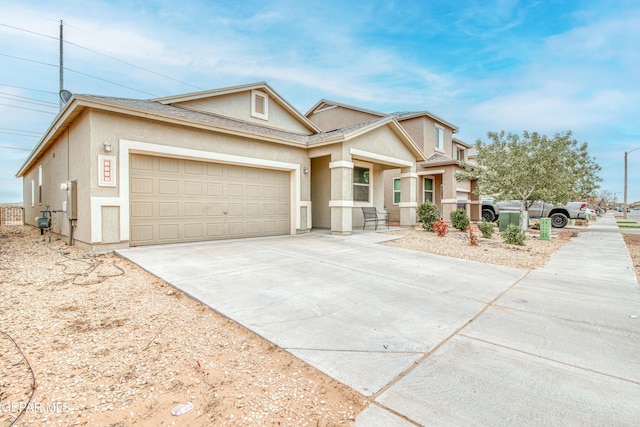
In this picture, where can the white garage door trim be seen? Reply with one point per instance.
(127, 147)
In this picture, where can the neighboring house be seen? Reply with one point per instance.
(227, 163)
(435, 176)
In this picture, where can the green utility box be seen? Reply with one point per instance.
(545, 228)
(507, 218)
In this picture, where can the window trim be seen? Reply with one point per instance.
(363, 165)
(397, 191)
(255, 94)
(424, 191)
(33, 193)
(436, 140)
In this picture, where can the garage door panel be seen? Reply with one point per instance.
(142, 186)
(168, 186)
(167, 165)
(168, 209)
(193, 209)
(193, 188)
(168, 231)
(178, 200)
(192, 231)
(142, 210)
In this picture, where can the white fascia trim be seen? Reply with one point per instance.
(341, 164)
(431, 172)
(379, 158)
(341, 204)
(408, 204)
(409, 175)
(126, 147)
(449, 201)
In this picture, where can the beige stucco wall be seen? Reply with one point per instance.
(339, 117)
(238, 105)
(66, 159)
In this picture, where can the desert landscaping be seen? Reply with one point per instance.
(91, 339)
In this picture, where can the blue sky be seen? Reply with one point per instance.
(484, 65)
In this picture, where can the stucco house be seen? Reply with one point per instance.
(227, 163)
(435, 174)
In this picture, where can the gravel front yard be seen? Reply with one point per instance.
(532, 255)
(107, 344)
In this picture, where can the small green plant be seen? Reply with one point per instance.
(486, 228)
(440, 227)
(459, 219)
(513, 235)
(428, 215)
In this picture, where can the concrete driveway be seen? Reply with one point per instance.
(434, 340)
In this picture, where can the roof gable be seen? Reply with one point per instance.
(239, 102)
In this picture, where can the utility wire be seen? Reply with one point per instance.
(17, 97)
(26, 88)
(25, 108)
(24, 131)
(77, 72)
(15, 148)
(105, 55)
(36, 102)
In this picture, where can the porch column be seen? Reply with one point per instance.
(408, 197)
(341, 203)
(475, 213)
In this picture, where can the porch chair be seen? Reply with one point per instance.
(371, 214)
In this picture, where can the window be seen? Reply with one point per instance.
(33, 193)
(40, 184)
(360, 184)
(259, 104)
(439, 138)
(396, 191)
(428, 189)
(460, 154)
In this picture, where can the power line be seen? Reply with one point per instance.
(15, 148)
(22, 98)
(26, 88)
(102, 54)
(25, 108)
(19, 130)
(77, 72)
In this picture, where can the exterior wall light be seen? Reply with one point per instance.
(305, 170)
(107, 146)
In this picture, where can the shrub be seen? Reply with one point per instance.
(486, 228)
(459, 219)
(513, 235)
(428, 215)
(440, 227)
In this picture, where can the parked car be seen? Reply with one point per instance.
(559, 215)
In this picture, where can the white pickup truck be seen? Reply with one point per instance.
(559, 215)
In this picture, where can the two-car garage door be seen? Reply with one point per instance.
(178, 200)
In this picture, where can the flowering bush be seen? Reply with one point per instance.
(440, 228)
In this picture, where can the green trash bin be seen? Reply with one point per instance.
(507, 218)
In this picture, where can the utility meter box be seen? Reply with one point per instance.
(71, 204)
(507, 218)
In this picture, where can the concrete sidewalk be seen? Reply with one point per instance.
(435, 340)
(559, 348)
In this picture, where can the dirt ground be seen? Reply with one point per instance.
(96, 341)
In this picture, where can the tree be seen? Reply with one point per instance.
(533, 168)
